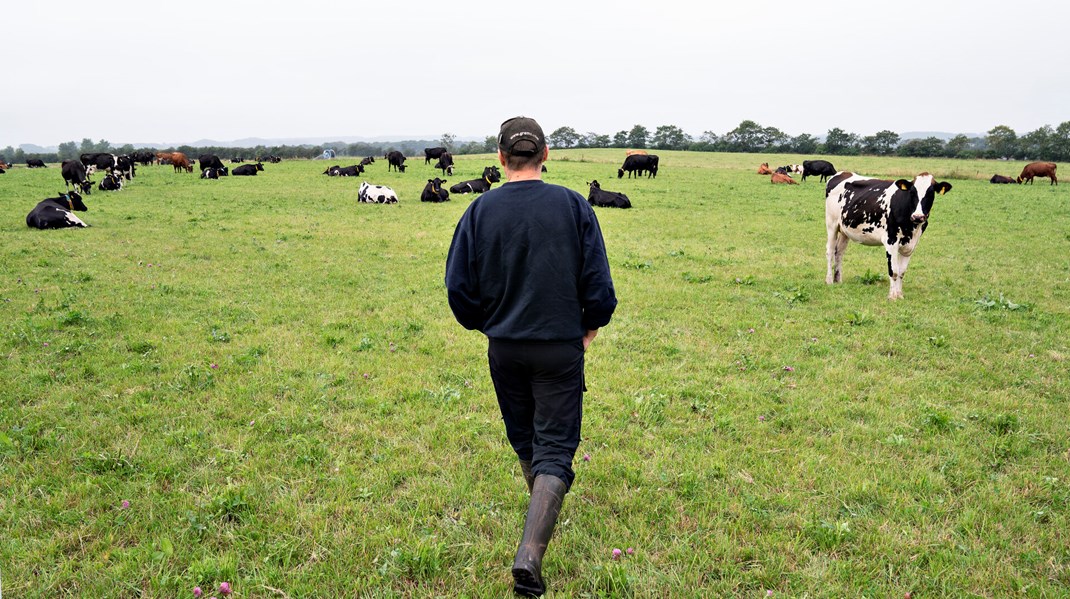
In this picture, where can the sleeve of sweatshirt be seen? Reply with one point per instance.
(462, 281)
(596, 285)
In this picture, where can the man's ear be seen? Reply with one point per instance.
(501, 158)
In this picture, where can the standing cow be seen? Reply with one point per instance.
(74, 173)
(878, 212)
(814, 168)
(1038, 169)
(433, 153)
(57, 213)
(638, 164)
(445, 164)
(212, 161)
(396, 160)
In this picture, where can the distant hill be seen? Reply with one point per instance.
(944, 135)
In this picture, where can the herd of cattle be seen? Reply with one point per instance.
(869, 211)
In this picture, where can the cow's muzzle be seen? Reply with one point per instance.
(917, 219)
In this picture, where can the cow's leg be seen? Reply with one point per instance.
(897, 269)
(834, 248)
(841, 247)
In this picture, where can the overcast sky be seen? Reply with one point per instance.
(176, 72)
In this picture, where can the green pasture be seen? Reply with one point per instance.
(268, 372)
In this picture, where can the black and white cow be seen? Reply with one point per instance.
(433, 191)
(35, 163)
(347, 171)
(491, 174)
(57, 213)
(637, 164)
(212, 173)
(246, 170)
(877, 212)
(445, 164)
(111, 182)
(814, 168)
(396, 160)
(376, 194)
(432, 153)
(75, 173)
(212, 161)
(610, 199)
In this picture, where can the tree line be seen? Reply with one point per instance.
(1045, 143)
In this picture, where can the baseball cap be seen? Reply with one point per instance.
(521, 136)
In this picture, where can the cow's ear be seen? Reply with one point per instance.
(903, 184)
(942, 188)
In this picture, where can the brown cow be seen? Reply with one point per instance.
(1038, 169)
(763, 169)
(782, 178)
(634, 152)
(179, 160)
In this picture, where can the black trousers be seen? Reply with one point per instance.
(540, 393)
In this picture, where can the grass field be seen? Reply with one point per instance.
(268, 373)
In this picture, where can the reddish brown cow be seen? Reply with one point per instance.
(634, 152)
(1038, 169)
(179, 160)
(782, 178)
(763, 169)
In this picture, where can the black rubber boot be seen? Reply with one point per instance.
(546, 496)
(525, 468)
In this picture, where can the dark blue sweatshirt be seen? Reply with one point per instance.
(528, 263)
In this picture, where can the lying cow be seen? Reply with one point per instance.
(782, 178)
(211, 161)
(1038, 169)
(75, 174)
(376, 194)
(1001, 180)
(878, 212)
(247, 170)
(212, 173)
(763, 169)
(814, 168)
(790, 168)
(491, 174)
(57, 213)
(433, 191)
(35, 163)
(112, 182)
(609, 199)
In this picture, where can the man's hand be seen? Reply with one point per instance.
(589, 337)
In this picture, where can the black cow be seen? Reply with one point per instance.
(212, 173)
(433, 191)
(445, 163)
(269, 158)
(367, 160)
(57, 213)
(348, 171)
(35, 163)
(74, 173)
(638, 164)
(111, 182)
(491, 174)
(814, 168)
(1000, 179)
(248, 169)
(2, 171)
(143, 157)
(212, 161)
(610, 199)
(430, 153)
(237, 159)
(396, 160)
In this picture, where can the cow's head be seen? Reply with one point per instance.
(401, 168)
(922, 193)
(595, 185)
(73, 200)
(259, 166)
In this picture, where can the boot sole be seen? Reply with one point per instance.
(527, 583)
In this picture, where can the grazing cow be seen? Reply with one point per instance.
(143, 157)
(491, 174)
(212, 161)
(246, 170)
(779, 177)
(609, 199)
(396, 160)
(878, 212)
(1038, 169)
(638, 164)
(813, 168)
(376, 194)
(763, 169)
(111, 182)
(1000, 179)
(433, 191)
(433, 153)
(57, 213)
(367, 160)
(212, 173)
(181, 162)
(74, 173)
(445, 163)
(35, 163)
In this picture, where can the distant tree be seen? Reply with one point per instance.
(957, 147)
(1002, 142)
(448, 140)
(748, 136)
(803, 143)
(67, 150)
(620, 139)
(925, 148)
(1060, 142)
(841, 143)
(775, 140)
(638, 136)
(670, 137)
(563, 137)
(1037, 145)
(595, 140)
(126, 149)
(881, 143)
